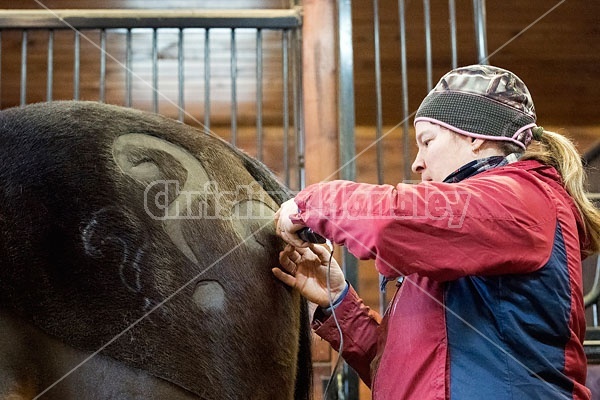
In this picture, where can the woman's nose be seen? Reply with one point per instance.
(418, 165)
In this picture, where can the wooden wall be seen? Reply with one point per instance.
(558, 55)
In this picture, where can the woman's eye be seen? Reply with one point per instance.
(426, 143)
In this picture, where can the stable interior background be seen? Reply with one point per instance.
(554, 46)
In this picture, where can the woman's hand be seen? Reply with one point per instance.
(285, 228)
(306, 269)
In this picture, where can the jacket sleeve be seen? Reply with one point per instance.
(495, 224)
(359, 326)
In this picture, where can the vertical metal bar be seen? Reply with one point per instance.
(453, 45)
(259, 95)
(155, 70)
(233, 88)
(379, 118)
(50, 66)
(128, 98)
(0, 69)
(298, 101)
(296, 60)
(346, 91)
(299, 108)
(102, 65)
(405, 114)
(476, 17)
(180, 76)
(379, 112)
(480, 30)
(76, 66)
(427, 14)
(24, 67)
(286, 116)
(207, 79)
(347, 149)
(346, 102)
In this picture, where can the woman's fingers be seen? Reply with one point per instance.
(321, 251)
(289, 253)
(284, 277)
(293, 239)
(302, 269)
(286, 262)
(284, 227)
(294, 256)
(308, 254)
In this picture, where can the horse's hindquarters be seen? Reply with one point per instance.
(126, 227)
(33, 363)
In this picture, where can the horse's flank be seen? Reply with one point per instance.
(134, 234)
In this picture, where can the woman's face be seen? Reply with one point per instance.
(441, 151)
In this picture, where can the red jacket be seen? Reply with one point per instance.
(491, 306)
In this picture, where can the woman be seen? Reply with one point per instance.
(488, 248)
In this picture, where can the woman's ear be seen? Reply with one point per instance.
(476, 145)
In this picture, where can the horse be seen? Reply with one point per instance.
(135, 262)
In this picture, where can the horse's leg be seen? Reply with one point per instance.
(18, 372)
(32, 362)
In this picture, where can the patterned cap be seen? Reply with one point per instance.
(481, 101)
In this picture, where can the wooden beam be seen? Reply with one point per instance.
(320, 90)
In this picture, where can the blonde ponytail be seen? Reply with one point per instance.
(558, 151)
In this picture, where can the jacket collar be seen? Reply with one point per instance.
(477, 166)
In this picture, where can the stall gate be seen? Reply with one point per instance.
(230, 71)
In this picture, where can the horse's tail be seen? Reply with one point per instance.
(280, 193)
(304, 373)
(261, 174)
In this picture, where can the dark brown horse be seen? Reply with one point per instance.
(135, 262)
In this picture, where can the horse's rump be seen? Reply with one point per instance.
(120, 223)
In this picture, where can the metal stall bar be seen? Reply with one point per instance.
(378, 126)
(233, 75)
(286, 106)
(128, 94)
(50, 68)
(207, 79)
(23, 68)
(180, 76)
(378, 97)
(452, 18)
(346, 111)
(428, 63)
(480, 30)
(0, 68)
(129, 19)
(77, 63)
(298, 100)
(405, 113)
(102, 84)
(346, 122)
(346, 91)
(154, 70)
(259, 94)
